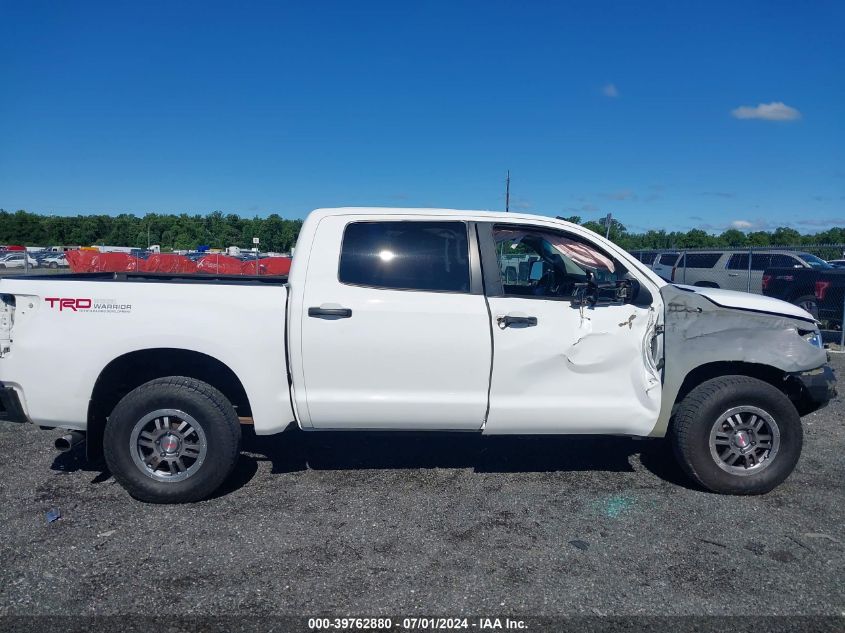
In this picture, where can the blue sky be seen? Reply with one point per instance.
(255, 108)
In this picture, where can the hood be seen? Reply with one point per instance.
(747, 301)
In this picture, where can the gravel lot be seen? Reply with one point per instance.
(399, 525)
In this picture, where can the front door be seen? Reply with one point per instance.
(560, 367)
(395, 332)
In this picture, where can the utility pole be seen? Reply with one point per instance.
(508, 192)
(608, 221)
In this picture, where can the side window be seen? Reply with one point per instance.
(738, 261)
(784, 261)
(536, 263)
(701, 260)
(760, 262)
(406, 255)
(669, 259)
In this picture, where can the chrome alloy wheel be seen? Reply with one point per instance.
(744, 440)
(168, 445)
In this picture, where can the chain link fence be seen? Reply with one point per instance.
(812, 277)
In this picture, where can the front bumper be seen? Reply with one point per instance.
(10, 405)
(818, 384)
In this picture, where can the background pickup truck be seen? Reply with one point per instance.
(400, 319)
(819, 291)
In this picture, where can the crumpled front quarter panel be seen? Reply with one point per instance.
(698, 332)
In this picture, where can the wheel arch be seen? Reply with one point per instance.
(133, 369)
(785, 382)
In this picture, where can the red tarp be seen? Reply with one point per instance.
(92, 262)
(95, 262)
(276, 265)
(219, 265)
(168, 263)
(267, 266)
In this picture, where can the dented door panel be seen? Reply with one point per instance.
(587, 370)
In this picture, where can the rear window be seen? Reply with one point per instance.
(406, 255)
(647, 258)
(668, 259)
(700, 260)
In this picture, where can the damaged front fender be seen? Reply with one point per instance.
(699, 332)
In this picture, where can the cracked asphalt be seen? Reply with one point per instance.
(370, 524)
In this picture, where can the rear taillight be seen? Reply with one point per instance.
(766, 280)
(674, 268)
(821, 289)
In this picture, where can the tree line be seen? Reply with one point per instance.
(698, 238)
(170, 231)
(219, 230)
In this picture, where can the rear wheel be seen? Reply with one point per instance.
(737, 435)
(172, 440)
(808, 303)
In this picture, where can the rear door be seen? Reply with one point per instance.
(560, 367)
(395, 328)
(736, 273)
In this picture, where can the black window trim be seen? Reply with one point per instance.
(474, 259)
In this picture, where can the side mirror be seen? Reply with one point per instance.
(536, 272)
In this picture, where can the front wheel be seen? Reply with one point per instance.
(172, 440)
(737, 435)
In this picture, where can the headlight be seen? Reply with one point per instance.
(814, 339)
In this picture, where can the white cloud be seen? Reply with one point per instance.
(742, 225)
(609, 90)
(775, 111)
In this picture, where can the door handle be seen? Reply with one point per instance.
(338, 313)
(733, 274)
(507, 320)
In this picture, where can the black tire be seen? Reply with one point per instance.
(812, 305)
(703, 408)
(208, 408)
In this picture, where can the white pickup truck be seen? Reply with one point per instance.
(402, 319)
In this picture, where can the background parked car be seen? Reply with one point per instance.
(731, 270)
(664, 263)
(54, 260)
(17, 259)
(819, 290)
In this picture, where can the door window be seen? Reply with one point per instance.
(547, 265)
(784, 261)
(406, 255)
(700, 260)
